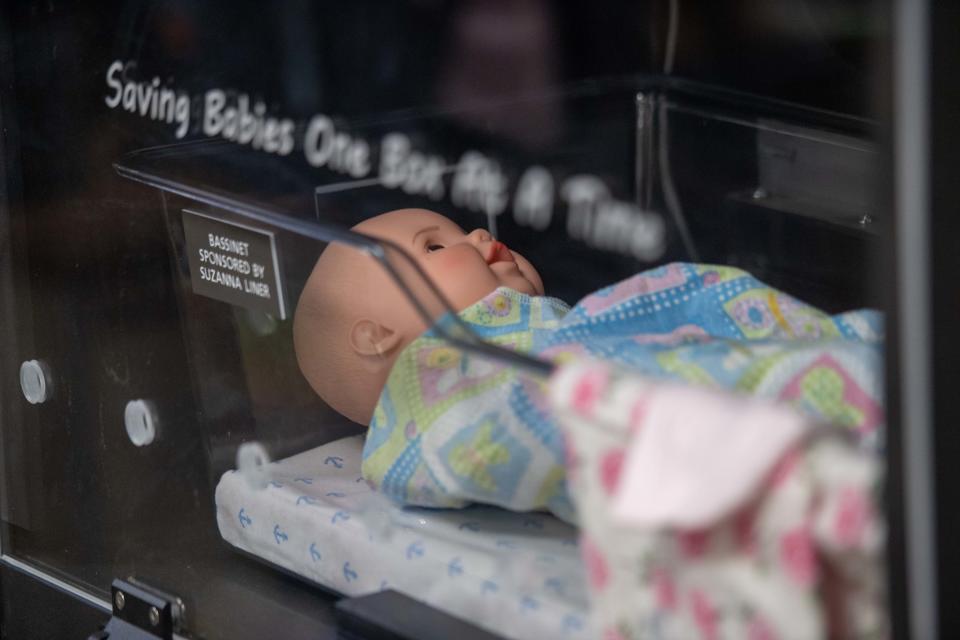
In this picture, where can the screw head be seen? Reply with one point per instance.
(35, 381)
(759, 193)
(140, 421)
(154, 616)
(119, 600)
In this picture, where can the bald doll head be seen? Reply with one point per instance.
(353, 320)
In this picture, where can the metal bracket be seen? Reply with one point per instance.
(141, 612)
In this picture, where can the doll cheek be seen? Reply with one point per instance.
(457, 258)
(462, 275)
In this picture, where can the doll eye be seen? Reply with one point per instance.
(434, 247)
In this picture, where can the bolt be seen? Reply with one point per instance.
(35, 381)
(178, 612)
(119, 600)
(140, 421)
(154, 616)
(759, 193)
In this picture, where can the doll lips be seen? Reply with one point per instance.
(498, 252)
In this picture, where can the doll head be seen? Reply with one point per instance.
(353, 320)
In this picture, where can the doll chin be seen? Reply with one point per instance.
(521, 284)
(509, 274)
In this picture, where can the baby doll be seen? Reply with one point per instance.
(353, 321)
(447, 428)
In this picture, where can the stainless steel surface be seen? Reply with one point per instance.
(911, 171)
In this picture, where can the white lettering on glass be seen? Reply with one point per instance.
(414, 172)
(150, 99)
(479, 185)
(533, 201)
(605, 223)
(324, 146)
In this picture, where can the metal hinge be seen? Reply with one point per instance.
(141, 612)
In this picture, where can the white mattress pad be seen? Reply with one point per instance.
(518, 575)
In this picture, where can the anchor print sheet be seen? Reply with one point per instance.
(517, 575)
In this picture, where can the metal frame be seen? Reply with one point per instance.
(911, 143)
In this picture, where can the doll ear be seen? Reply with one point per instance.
(369, 338)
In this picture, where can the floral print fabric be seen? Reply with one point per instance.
(800, 558)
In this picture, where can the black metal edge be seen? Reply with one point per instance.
(33, 608)
(390, 615)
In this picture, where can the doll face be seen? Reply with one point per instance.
(464, 266)
(352, 320)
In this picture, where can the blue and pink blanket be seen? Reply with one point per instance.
(453, 428)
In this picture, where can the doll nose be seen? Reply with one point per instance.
(489, 247)
(491, 250)
(479, 235)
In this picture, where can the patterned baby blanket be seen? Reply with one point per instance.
(452, 428)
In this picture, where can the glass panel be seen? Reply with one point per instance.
(784, 191)
(240, 382)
